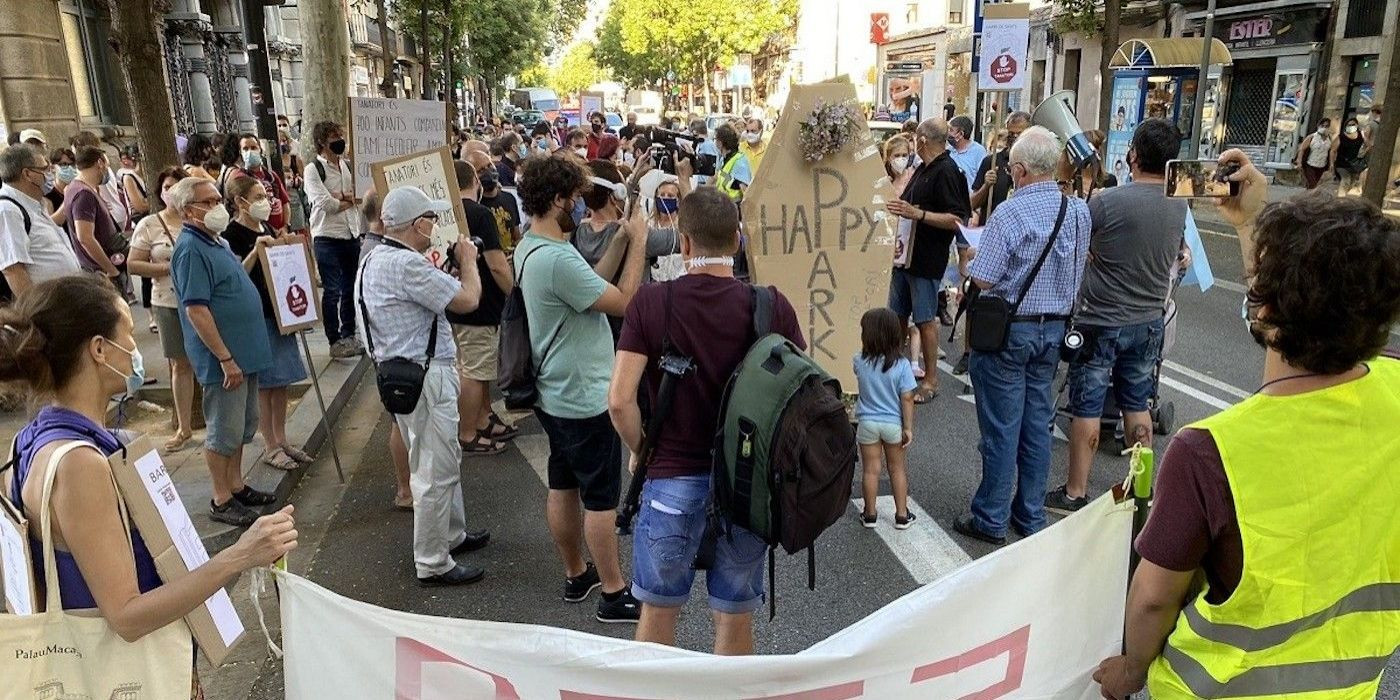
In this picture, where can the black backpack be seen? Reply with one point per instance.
(516, 369)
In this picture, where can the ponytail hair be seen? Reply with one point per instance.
(43, 333)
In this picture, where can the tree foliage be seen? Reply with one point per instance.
(498, 39)
(1078, 16)
(578, 70)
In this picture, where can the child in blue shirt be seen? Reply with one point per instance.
(884, 410)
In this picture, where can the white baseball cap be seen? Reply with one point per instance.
(404, 204)
(33, 135)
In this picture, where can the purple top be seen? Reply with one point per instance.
(55, 423)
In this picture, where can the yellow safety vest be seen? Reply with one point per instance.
(1316, 484)
(724, 177)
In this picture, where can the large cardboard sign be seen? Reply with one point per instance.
(382, 128)
(819, 231)
(432, 172)
(157, 511)
(1032, 620)
(16, 566)
(1006, 30)
(291, 280)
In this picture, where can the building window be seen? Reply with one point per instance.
(1037, 82)
(1365, 18)
(1361, 87)
(96, 78)
(955, 11)
(1070, 78)
(911, 14)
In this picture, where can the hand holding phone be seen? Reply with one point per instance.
(1200, 178)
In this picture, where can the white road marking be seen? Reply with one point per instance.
(925, 550)
(535, 449)
(1213, 232)
(1235, 287)
(1207, 380)
(1195, 393)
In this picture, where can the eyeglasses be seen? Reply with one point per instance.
(429, 216)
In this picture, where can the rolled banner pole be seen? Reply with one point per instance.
(321, 399)
(1143, 465)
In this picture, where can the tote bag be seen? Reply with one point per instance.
(62, 653)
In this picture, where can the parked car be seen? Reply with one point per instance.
(615, 121)
(882, 130)
(527, 117)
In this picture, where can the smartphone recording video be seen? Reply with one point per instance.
(1199, 178)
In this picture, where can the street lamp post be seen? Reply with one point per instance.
(1197, 110)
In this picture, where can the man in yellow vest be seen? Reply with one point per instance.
(732, 174)
(1286, 502)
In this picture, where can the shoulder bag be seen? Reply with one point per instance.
(399, 379)
(989, 317)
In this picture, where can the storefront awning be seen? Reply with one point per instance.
(1168, 53)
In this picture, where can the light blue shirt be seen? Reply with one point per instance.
(1013, 239)
(880, 389)
(969, 160)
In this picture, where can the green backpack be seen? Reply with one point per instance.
(785, 450)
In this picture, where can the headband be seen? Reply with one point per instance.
(619, 190)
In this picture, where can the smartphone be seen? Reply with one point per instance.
(1199, 178)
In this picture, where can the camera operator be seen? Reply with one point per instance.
(1136, 238)
(403, 300)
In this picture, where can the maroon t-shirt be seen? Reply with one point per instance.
(712, 323)
(84, 204)
(1193, 524)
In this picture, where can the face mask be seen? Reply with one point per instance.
(489, 180)
(667, 205)
(48, 184)
(1351, 130)
(252, 160)
(67, 173)
(582, 151)
(899, 165)
(216, 219)
(521, 151)
(260, 209)
(542, 144)
(137, 378)
(565, 219)
(338, 146)
(753, 137)
(597, 128)
(1321, 131)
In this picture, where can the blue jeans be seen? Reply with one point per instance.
(1015, 404)
(1128, 356)
(337, 261)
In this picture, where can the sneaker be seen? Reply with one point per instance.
(905, 522)
(232, 513)
(576, 589)
(1060, 501)
(459, 575)
(624, 609)
(254, 498)
(343, 349)
(964, 526)
(961, 367)
(869, 521)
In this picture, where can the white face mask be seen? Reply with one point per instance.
(260, 209)
(216, 219)
(753, 137)
(582, 151)
(899, 165)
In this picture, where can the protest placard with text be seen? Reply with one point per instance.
(432, 172)
(291, 282)
(382, 128)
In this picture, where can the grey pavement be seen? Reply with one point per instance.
(360, 546)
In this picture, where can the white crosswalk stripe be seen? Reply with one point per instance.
(925, 550)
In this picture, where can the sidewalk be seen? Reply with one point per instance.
(152, 413)
(1206, 215)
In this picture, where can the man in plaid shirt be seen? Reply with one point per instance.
(1015, 402)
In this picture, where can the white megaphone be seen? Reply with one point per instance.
(1056, 113)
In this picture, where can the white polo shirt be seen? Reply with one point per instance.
(44, 250)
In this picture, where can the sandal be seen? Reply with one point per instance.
(177, 442)
(277, 459)
(506, 432)
(297, 454)
(924, 394)
(481, 445)
(403, 502)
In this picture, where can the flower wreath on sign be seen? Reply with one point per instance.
(827, 130)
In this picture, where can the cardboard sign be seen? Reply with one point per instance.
(157, 511)
(819, 231)
(382, 128)
(1006, 30)
(291, 280)
(432, 172)
(16, 564)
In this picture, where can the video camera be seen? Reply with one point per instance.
(449, 261)
(667, 146)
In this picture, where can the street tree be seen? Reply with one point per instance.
(326, 62)
(137, 42)
(1094, 18)
(1383, 141)
(578, 70)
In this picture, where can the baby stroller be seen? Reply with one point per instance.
(1163, 413)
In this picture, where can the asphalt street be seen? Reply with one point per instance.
(366, 553)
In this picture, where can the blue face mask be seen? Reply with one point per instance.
(667, 205)
(522, 150)
(137, 378)
(67, 173)
(252, 160)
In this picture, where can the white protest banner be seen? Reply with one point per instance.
(1006, 31)
(291, 282)
(819, 231)
(431, 171)
(15, 564)
(1032, 620)
(382, 128)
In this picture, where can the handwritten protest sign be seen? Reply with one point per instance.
(819, 231)
(292, 284)
(383, 128)
(432, 172)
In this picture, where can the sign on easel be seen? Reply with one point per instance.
(432, 172)
(383, 128)
(291, 281)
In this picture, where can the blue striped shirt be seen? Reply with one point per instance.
(1013, 240)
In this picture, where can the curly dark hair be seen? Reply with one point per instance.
(1327, 280)
(547, 178)
(321, 133)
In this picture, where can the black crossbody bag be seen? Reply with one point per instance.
(989, 317)
(399, 379)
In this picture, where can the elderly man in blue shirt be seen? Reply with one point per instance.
(1015, 402)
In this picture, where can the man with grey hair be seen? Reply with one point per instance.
(32, 247)
(1031, 255)
(992, 184)
(932, 206)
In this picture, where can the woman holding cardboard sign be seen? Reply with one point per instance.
(81, 360)
(247, 234)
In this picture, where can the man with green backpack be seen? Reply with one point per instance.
(703, 329)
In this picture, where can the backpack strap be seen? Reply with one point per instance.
(762, 311)
(24, 213)
(320, 168)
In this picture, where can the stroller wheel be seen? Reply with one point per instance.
(1164, 418)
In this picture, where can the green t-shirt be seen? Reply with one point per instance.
(559, 288)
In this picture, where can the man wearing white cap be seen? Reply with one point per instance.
(33, 137)
(403, 299)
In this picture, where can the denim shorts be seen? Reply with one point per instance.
(668, 533)
(869, 432)
(230, 417)
(911, 295)
(1125, 355)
